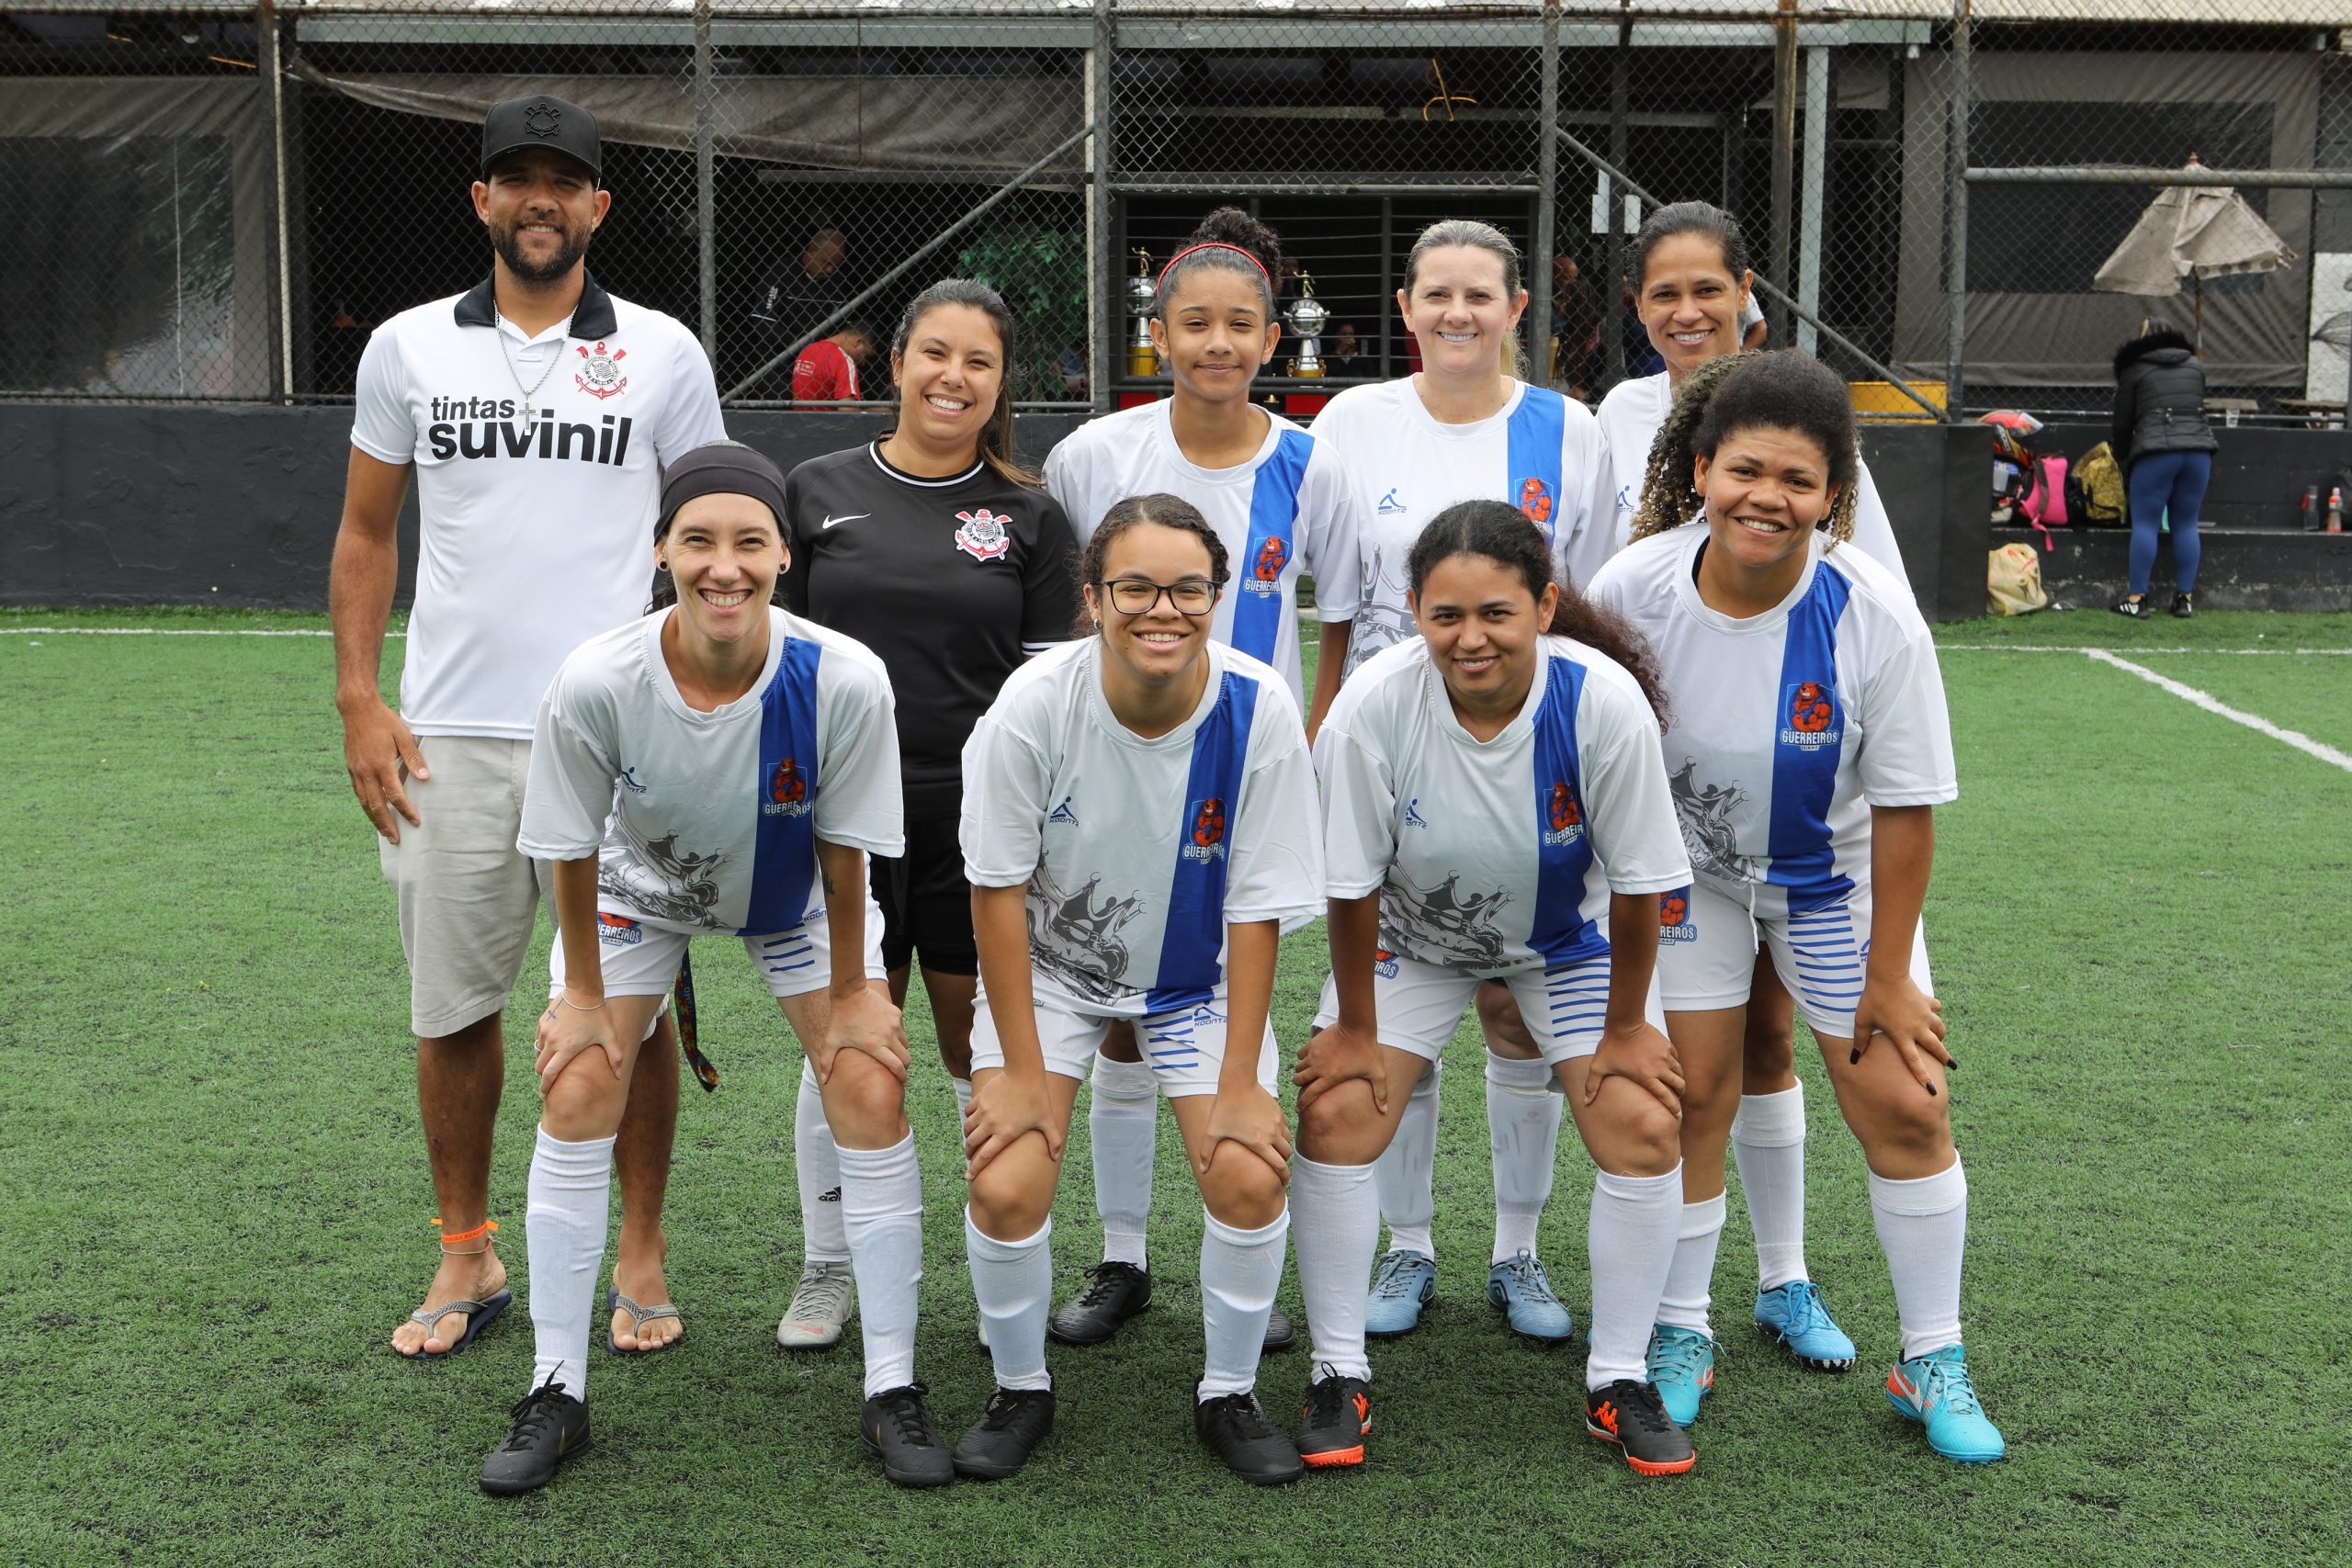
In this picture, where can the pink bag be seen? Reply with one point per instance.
(2045, 496)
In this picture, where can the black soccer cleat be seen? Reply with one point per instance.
(1115, 1293)
(1339, 1414)
(1630, 1415)
(1281, 1335)
(1007, 1433)
(1238, 1432)
(897, 1429)
(550, 1427)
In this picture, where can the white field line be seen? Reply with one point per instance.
(2294, 737)
(2052, 648)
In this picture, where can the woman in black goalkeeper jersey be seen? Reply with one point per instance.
(935, 549)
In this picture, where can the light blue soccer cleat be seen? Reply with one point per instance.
(1521, 1291)
(1682, 1368)
(1402, 1284)
(1935, 1390)
(1793, 1316)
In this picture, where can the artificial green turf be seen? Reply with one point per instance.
(214, 1197)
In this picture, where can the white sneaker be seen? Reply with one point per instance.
(821, 1303)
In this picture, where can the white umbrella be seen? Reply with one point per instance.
(2192, 232)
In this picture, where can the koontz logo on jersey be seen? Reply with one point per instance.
(1535, 500)
(1674, 917)
(1565, 816)
(1809, 714)
(1383, 964)
(1413, 818)
(617, 931)
(788, 792)
(1389, 504)
(1205, 834)
(983, 536)
(1266, 572)
(1063, 814)
(601, 375)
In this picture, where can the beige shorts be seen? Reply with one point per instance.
(466, 893)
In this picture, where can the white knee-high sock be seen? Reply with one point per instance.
(1122, 1121)
(962, 1088)
(1239, 1270)
(1406, 1172)
(817, 1167)
(563, 1228)
(1684, 1303)
(1922, 1227)
(1013, 1283)
(882, 1212)
(1523, 1129)
(1337, 1230)
(1632, 1226)
(1767, 1146)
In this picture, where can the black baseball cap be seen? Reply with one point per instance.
(541, 121)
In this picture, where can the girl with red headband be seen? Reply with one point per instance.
(1282, 507)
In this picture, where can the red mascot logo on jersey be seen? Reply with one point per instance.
(601, 377)
(1207, 830)
(1809, 713)
(1383, 964)
(983, 536)
(1565, 813)
(788, 792)
(1265, 577)
(1535, 500)
(1674, 917)
(617, 931)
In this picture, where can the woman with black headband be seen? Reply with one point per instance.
(718, 766)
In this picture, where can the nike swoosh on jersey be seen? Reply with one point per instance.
(836, 522)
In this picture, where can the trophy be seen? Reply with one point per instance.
(1143, 299)
(1307, 318)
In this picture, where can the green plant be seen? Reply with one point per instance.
(1041, 272)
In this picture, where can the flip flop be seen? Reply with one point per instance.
(482, 1314)
(616, 1301)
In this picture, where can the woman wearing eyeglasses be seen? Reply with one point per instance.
(1140, 826)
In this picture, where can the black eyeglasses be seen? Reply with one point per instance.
(1138, 596)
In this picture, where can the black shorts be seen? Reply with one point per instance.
(926, 903)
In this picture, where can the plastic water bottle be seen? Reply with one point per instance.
(2311, 509)
(2335, 508)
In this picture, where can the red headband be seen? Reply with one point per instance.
(1214, 246)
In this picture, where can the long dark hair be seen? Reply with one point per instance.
(1784, 390)
(1499, 532)
(996, 434)
(1168, 512)
(1228, 226)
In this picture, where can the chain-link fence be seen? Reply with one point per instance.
(219, 201)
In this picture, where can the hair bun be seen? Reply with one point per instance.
(1231, 226)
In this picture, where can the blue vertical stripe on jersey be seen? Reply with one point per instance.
(1532, 443)
(1560, 932)
(1189, 971)
(1804, 779)
(1273, 520)
(784, 857)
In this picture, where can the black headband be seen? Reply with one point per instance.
(722, 467)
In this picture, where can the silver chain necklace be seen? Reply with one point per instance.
(531, 391)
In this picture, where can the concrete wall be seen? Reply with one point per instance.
(2238, 568)
(148, 505)
(2258, 475)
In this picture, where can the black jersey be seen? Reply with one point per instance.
(953, 582)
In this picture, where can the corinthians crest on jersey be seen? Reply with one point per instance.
(599, 373)
(982, 535)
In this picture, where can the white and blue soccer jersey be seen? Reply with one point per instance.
(1630, 416)
(1139, 853)
(1287, 511)
(1496, 856)
(708, 821)
(1789, 726)
(1541, 453)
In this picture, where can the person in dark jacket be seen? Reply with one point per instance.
(2166, 449)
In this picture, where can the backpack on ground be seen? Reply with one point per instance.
(2012, 582)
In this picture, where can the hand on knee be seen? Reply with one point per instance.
(865, 1104)
(1008, 1200)
(1240, 1188)
(585, 1102)
(1341, 1126)
(1632, 1132)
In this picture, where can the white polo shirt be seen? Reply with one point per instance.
(534, 538)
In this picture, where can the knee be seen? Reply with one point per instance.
(1499, 1020)
(1006, 1204)
(1643, 1137)
(1240, 1188)
(1768, 1056)
(1119, 1042)
(584, 1101)
(1338, 1127)
(1911, 1122)
(864, 1102)
(955, 1054)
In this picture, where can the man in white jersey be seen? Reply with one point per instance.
(537, 411)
